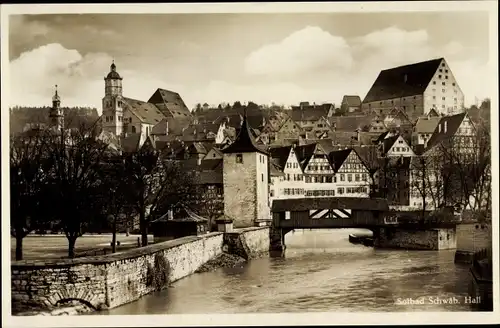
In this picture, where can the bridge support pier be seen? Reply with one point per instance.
(277, 240)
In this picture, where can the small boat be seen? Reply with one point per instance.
(354, 239)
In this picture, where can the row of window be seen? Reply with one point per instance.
(403, 149)
(444, 98)
(328, 179)
(293, 191)
(292, 165)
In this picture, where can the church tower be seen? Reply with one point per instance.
(112, 111)
(246, 180)
(56, 115)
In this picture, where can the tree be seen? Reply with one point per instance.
(28, 176)
(76, 158)
(237, 105)
(208, 202)
(116, 204)
(197, 108)
(154, 185)
(467, 159)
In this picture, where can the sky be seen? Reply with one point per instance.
(214, 58)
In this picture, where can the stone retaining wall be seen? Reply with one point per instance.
(248, 242)
(431, 239)
(110, 280)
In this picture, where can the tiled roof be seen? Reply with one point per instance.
(245, 142)
(344, 138)
(146, 112)
(209, 116)
(338, 157)
(452, 124)
(350, 123)
(274, 171)
(308, 114)
(211, 164)
(389, 142)
(175, 126)
(327, 145)
(279, 155)
(368, 155)
(130, 143)
(170, 103)
(426, 124)
(353, 203)
(352, 101)
(403, 81)
(304, 153)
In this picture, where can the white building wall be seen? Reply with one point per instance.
(443, 93)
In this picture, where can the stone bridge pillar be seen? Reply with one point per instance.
(276, 240)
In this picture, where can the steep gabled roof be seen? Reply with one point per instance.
(279, 155)
(351, 101)
(403, 81)
(338, 157)
(427, 124)
(245, 142)
(304, 153)
(170, 103)
(275, 171)
(452, 123)
(145, 112)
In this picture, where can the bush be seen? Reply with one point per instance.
(157, 276)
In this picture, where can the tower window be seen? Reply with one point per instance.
(239, 158)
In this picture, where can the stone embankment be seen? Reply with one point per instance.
(102, 282)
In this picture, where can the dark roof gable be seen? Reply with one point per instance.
(245, 142)
(403, 81)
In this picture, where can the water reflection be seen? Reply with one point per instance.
(321, 271)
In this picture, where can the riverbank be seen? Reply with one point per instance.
(108, 281)
(224, 260)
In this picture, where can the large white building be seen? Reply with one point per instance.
(416, 89)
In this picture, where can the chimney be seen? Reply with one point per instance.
(166, 130)
(445, 124)
(358, 134)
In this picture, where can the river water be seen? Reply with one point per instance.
(321, 271)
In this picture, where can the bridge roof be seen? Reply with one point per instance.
(352, 203)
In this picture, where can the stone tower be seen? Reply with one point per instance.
(245, 178)
(56, 115)
(112, 111)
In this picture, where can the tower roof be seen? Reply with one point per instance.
(245, 142)
(56, 96)
(113, 74)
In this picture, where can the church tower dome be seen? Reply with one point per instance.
(56, 114)
(113, 74)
